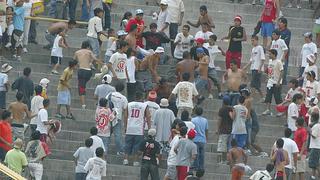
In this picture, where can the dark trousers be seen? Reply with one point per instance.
(198, 163)
(81, 176)
(33, 31)
(107, 16)
(72, 9)
(173, 31)
(131, 91)
(301, 70)
(149, 168)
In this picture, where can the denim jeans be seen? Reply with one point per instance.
(117, 129)
(107, 16)
(84, 11)
(94, 42)
(234, 96)
(149, 168)
(81, 176)
(72, 9)
(173, 31)
(199, 161)
(50, 38)
(106, 142)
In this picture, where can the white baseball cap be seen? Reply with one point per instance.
(164, 2)
(159, 50)
(121, 33)
(139, 11)
(44, 82)
(313, 100)
(106, 79)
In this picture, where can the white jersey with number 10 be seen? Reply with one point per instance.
(136, 114)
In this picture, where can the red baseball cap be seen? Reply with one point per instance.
(200, 40)
(192, 133)
(238, 17)
(152, 95)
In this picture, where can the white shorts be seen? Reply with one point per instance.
(223, 143)
(36, 170)
(301, 165)
(64, 97)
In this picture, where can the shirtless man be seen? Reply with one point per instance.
(204, 18)
(85, 58)
(187, 65)
(131, 37)
(237, 159)
(55, 28)
(145, 77)
(19, 110)
(234, 78)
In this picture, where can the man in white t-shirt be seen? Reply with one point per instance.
(162, 16)
(138, 114)
(120, 104)
(96, 140)
(42, 121)
(314, 150)
(279, 45)
(311, 88)
(293, 111)
(204, 33)
(36, 105)
(291, 147)
(308, 48)
(183, 42)
(4, 84)
(94, 29)
(311, 66)
(152, 105)
(96, 166)
(117, 64)
(185, 92)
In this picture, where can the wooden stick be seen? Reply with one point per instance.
(10, 173)
(37, 18)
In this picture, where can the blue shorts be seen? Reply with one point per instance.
(267, 29)
(132, 143)
(241, 139)
(64, 97)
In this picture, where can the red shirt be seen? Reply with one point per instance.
(300, 137)
(269, 11)
(6, 134)
(140, 26)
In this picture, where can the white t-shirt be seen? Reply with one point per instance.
(311, 89)
(280, 46)
(120, 103)
(183, 45)
(172, 155)
(175, 8)
(152, 108)
(203, 35)
(27, 6)
(36, 105)
(307, 49)
(274, 71)
(119, 61)
(189, 125)
(136, 115)
(97, 142)
(94, 26)
(10, 3)
(96, 167)
(315, 142)
(185, 91)
(293, 111)
(3, 81)
(162, 21)
(213, 52)
(111, 47)
(131, 69)
(307, 69)
(56, 49)
(261, 175)
(42, 118)
(257, 56)
(291, 147)
(292, 92)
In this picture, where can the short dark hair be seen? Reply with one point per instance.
(35, 135)
(122, 44)
(85, 45)
(5, 115)
(111, 30)
(300, 121)
(186, 26)
(200, 173)
(203, 7)
(46, 102)
(133, 27)
(255, 37)
(284, 21)
(186, 76)
(185, 116)
(213, 37)
(198, 110)
(139, 95)
(186, 55)
(93, 131)
(72, 63)
(9, 7)
(119, 87)
(295, 82)
(72, 22)
(242, 99)
(19, 96)
(99, 152)
(233, 61)
(183, 130)
(276, 32)
(153, 25)
(234, 143)
(27, 71)
(280, 143)
(129, 52)
(296, 97)
(88, 142)
(314, 117)
(96, 11)
(287, 132)
(38, 89)
(270, 167)
(103, 102)
(274, 52)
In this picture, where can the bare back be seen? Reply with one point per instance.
(56, 27)
(85, 58)
(186, 66)
(131, 39)
(237, 155)
(18, 111)
(203, 67)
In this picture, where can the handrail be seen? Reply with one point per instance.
(10, 173)
(37, 18)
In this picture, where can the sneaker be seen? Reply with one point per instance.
(289, 5)
(70, 117)
(120, 153)
(60, 116)
(253, 2)
(280, 114)
(220, 96)
(263, 154)
(83, 106)
(210, 96)
(19, 58)
(266, 112)
(25, 50)
(8, 45)
(136, 164)
(248, 152)
(54, 72)
(200, 99)
(298, 6)
(47, 47)
(125, 162)
(312, 177)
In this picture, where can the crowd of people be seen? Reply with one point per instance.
(162, 119)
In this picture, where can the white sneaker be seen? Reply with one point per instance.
(8, 45)
(289, 5)
(266, 112)
(279, 114)
(136, 164)
(54, 72)
(125, 162)
(25, 50)
(83, 106)
(19, 58)
(298, 6)
(210, 96)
